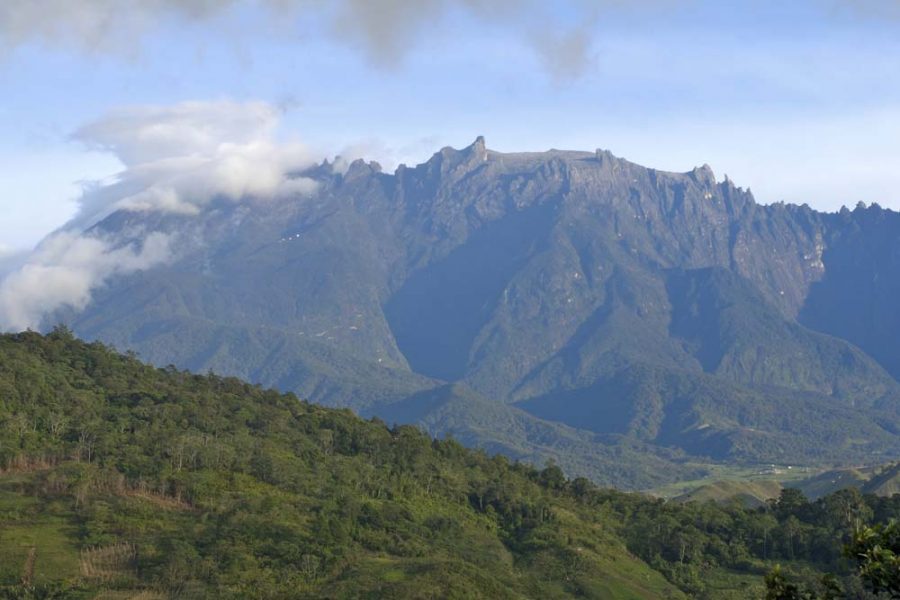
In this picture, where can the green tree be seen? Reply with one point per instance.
(876, 551)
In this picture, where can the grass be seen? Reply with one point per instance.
(723, 584)
(393, 576)
(629, 581)
(38, 543)
(55, 556)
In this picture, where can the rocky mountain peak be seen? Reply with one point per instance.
(361, 168)
(450, 159)
(704, 175)
(478, 149)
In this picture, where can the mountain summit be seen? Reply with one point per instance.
(585, 308)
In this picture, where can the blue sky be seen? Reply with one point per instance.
(800, 101)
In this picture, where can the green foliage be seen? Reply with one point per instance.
(877, 551)
(200, 486)
(121, 477)
(779, 588)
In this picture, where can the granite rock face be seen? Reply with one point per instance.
(588, 303)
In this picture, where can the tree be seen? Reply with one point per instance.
(779, 588)
(847, 509)
(791, 502)
(763, 527)
(552, 476)
(876, 550)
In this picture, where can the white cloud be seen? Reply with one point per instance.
(144, 134)
(177, 159)
(9, 259)
(65, 269)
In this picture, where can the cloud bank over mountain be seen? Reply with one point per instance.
(63, 271)
(177, 159)
(8, 259)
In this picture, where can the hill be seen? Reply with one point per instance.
(121, 480)
(884, 482)
(751, 494)
(119, 476)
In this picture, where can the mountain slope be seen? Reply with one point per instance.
(658, 308)
(615, 460)
(856, 298)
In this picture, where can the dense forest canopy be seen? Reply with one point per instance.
(120, 479)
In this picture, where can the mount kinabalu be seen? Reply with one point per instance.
(565, 305)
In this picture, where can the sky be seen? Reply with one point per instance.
(799, 101)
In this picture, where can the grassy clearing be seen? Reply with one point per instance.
(729, 585)
(53, 554)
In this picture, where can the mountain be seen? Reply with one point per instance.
(565, 305)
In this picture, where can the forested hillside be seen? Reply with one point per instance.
(117, 475)
(120, 479)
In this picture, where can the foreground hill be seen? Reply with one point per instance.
(119, 480)
(595, 307)
(117, 475)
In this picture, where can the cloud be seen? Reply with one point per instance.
(560, 33)
(95, 25)
(566, 55)
(9, 259)
(177, 159)
(385, 31)
(65, 269)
